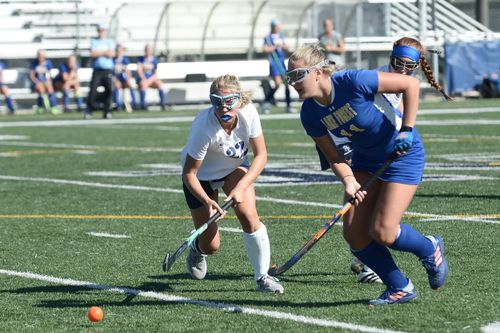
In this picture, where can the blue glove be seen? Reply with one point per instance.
(404, 140)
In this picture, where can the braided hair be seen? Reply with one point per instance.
(426, 68)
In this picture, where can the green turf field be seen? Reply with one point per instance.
(89, 209)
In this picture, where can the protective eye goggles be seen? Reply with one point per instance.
(299, 74)
(229, 101)
(405, 59)
(404, 66)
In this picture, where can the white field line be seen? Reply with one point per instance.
(270, 199)
(184, 300)
(491, 328)
(237, 230)
(104, 234)
(89, 147)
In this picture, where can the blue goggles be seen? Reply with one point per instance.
(229, 101)
(399, 59)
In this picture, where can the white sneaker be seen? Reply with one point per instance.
(364, 273)
(266, 108)
(196, 264)
(269, 284)
(289, 109)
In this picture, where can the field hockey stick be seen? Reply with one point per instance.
(275, 270)
(280, 66)
(126, 102)
(171, 258)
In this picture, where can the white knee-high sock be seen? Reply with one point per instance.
(258, 251)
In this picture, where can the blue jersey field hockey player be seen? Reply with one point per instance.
(122, 78)
(66, 80)
(147, 76)
(41, 82)
(343, 104)
(275, 47)
(5, 91)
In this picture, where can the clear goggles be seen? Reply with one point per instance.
(403, 66)
(299, 74)
(229, 101)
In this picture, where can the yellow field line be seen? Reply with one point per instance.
(187, 217)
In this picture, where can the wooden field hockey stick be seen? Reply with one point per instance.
(170, 259)
(278, 270)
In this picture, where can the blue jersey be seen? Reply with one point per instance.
(42, 70)
(371, 128)
(149, 65)
(2, 67)
(121, 64)
(275, 39)
(63, 69)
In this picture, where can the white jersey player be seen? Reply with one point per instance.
(215, 157)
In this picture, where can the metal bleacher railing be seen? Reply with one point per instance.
(223, 31)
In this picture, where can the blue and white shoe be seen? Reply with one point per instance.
(436, 264)
(395, 296)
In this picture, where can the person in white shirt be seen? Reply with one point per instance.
(215, 157)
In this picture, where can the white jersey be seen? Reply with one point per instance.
(220, 152)
(393, 99)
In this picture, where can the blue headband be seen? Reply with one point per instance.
(407, 52)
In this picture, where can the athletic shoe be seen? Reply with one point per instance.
(40, 110)
(196, 265)
(269, 284)
(107, 115)
(289, 109)
(395, 296)
(265, 108)
(364, 273)
(356, 265)
(367, 275)
(87, 115)
(436, 264)
(54, 110)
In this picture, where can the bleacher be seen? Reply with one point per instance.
(185, 34)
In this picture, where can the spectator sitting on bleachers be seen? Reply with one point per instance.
(147, 66)
(42, 83)
(122, 79)
(5, 91)
(66, 80)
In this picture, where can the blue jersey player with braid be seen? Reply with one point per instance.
(343, 104)
(147, 67)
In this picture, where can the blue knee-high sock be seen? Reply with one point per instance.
(39, 101)
(10, 103)
(117, 97)
(288, 98)
(52, 99)
(143, 99)
(65, 98)
(133, 98)
(378, 258)
(162, 97)
(410, 240)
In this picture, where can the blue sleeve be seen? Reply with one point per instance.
(125, 61)
(140, 60)
(155, 62)
(49, 64)
(63, 68)
(33, 65)
(364, 81)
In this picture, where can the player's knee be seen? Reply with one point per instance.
(383, 236)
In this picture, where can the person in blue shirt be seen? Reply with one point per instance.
(41, 82)
(276, 48)
(343, 104)
(5, 91)
(67, 80)
(147, 67)
(122, 78)
(102, 52)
